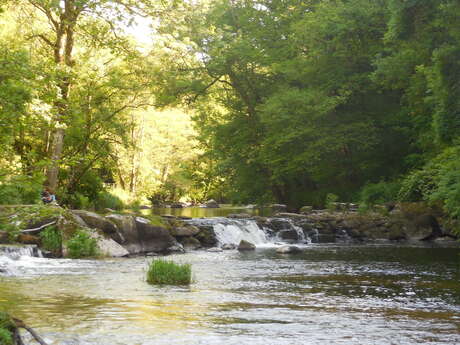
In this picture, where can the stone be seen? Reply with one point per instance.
(239, 215)
(278, 207)
(288, 250)
(176, 248)
(211, 204)
(190, 243)
(176, 205)
(229, 246)
(28, 239)
(215, 250)
(108, 247)
(206, 236)
(245, 246)
(185, 231)
(277, 224)
(306, 209)
(4, 237)
(289, 235)
(144, 207)
(94, 220)
(290, 215)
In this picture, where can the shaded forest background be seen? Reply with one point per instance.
(283, 101)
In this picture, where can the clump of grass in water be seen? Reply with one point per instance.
(165, 272)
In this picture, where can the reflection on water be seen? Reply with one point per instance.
(328, 294)
(199, 212)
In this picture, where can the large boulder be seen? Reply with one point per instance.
(288, 235)
(277, 224)
(190, 243)
(246, 246)
(93, 220)
(211, 204)
(108, 247)
(148, 238)
(206, 236)
(186, 230)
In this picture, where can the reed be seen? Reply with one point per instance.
(166, 272)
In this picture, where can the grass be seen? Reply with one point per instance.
(166, 272)
(6, 329)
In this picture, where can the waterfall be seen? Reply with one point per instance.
(232, 231)
(10, 254)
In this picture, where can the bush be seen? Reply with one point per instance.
(108, 200)
(21, 189)
(379, 193)
(51, 240)
(331, 199)
(169, 273)
(5, 337)
(81, 245)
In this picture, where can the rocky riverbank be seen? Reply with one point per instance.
(117, 235)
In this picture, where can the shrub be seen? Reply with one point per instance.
(81, 245)
(379, 193)
(21, 189)
(331, 199)
(169, 273)
(108, 200)
(5, 337)
(51, 240)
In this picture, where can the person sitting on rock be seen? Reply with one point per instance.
(48, 197)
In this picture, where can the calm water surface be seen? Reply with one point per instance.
(328, 294)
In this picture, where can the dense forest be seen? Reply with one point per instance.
(243, 101)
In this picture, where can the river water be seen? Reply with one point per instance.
(328, 294)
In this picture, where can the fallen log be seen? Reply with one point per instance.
(37, 230)
(17, 336)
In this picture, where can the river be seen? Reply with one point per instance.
(328, 294)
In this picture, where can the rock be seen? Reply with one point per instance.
(206, 236)
(239, 215)
(290, 215)
(289, 235)
(215, 250)
(144, 207)
(277, 224)
(148, 238)
(93, 220)
(288, 250)
(229, 246)
(109, 210)
(245, 245)
(278, 207)
(211, 204)
(28, 239)
(177, 248)
(37, 223)
(108, 247)
(4, 237)
(176, 205)
(306, 209)
(185, 231)
(190, 243)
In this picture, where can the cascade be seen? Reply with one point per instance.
(232, 231)
(10, 254)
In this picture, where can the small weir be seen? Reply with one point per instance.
(232, 231)
(10, 255)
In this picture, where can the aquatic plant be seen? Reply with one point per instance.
(169, 273)
(81, 245)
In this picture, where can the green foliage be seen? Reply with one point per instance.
(331, 199)
(51, 240)
(379, 193)
(108, 200)
(21, 189)
(6, 328)
(164, 272)
(81, 245)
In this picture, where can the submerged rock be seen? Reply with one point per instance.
(288, 250)
(215, 250)
(245, 245)
(229, 246)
